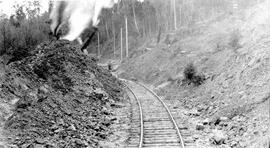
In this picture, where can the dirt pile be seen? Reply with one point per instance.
(57, 97)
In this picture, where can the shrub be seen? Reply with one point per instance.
(192, 77)
(17, 40)
(189, 71)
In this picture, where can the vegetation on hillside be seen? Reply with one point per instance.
(150, 19)
(191, 76)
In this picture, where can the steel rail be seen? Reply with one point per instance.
(141, 113)
(169, 112)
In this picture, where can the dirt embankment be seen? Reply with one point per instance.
(231, 108)
(56, 97)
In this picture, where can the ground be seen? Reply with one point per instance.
(231, 107)
(57, 97)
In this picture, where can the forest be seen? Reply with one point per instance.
(159, 73)
(138, 21)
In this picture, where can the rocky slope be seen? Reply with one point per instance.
(56, 97)
(231, 108)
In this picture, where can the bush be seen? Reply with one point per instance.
(192, 77)
(17, 40)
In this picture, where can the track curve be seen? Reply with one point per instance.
(141, 116)
(156, 123)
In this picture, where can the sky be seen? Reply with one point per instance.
(6, 6)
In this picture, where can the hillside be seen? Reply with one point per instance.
(233, 54)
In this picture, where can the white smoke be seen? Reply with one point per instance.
(79, 14)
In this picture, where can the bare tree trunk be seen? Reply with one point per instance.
(126, 36)
(213, 9)
(159, 34)
(169, 17)
(144, 28)
(118, 7)
(107, 30)
(121, 32)
(98, 44)
(180, 15)
(149, 27)
(234, 6)
(4, 36)
(174, 15)
(171, 20)
(134, 16)
(114, 48)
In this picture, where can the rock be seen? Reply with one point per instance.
(217, 121)
(200, 126)
(183, 127)
(256, 133)
(81, 143)
(38, 146)
(14, 101)
(26, 145)
(33, 94)
(218, 137)
(117, 105)
(189, 140)
(206, 121)
(242, 144)
(60, 121)
(222, 121)
(134, 79)
(225, 146)
(54, 127)
(233, 143)
(72, 127)
(40, 140)
(223, 124)
(210, 108)
(110, 67)
(175, 107)
(44, 89)
(223, 118)
(194, 113)
(183, 52)
(24, 86)
(196, 136)
(59, 130)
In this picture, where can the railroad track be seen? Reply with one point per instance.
(152, 122)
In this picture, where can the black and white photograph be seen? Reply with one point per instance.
(134, 73)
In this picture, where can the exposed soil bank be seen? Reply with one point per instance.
(57, 97)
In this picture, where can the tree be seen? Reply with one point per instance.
(134, 16)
